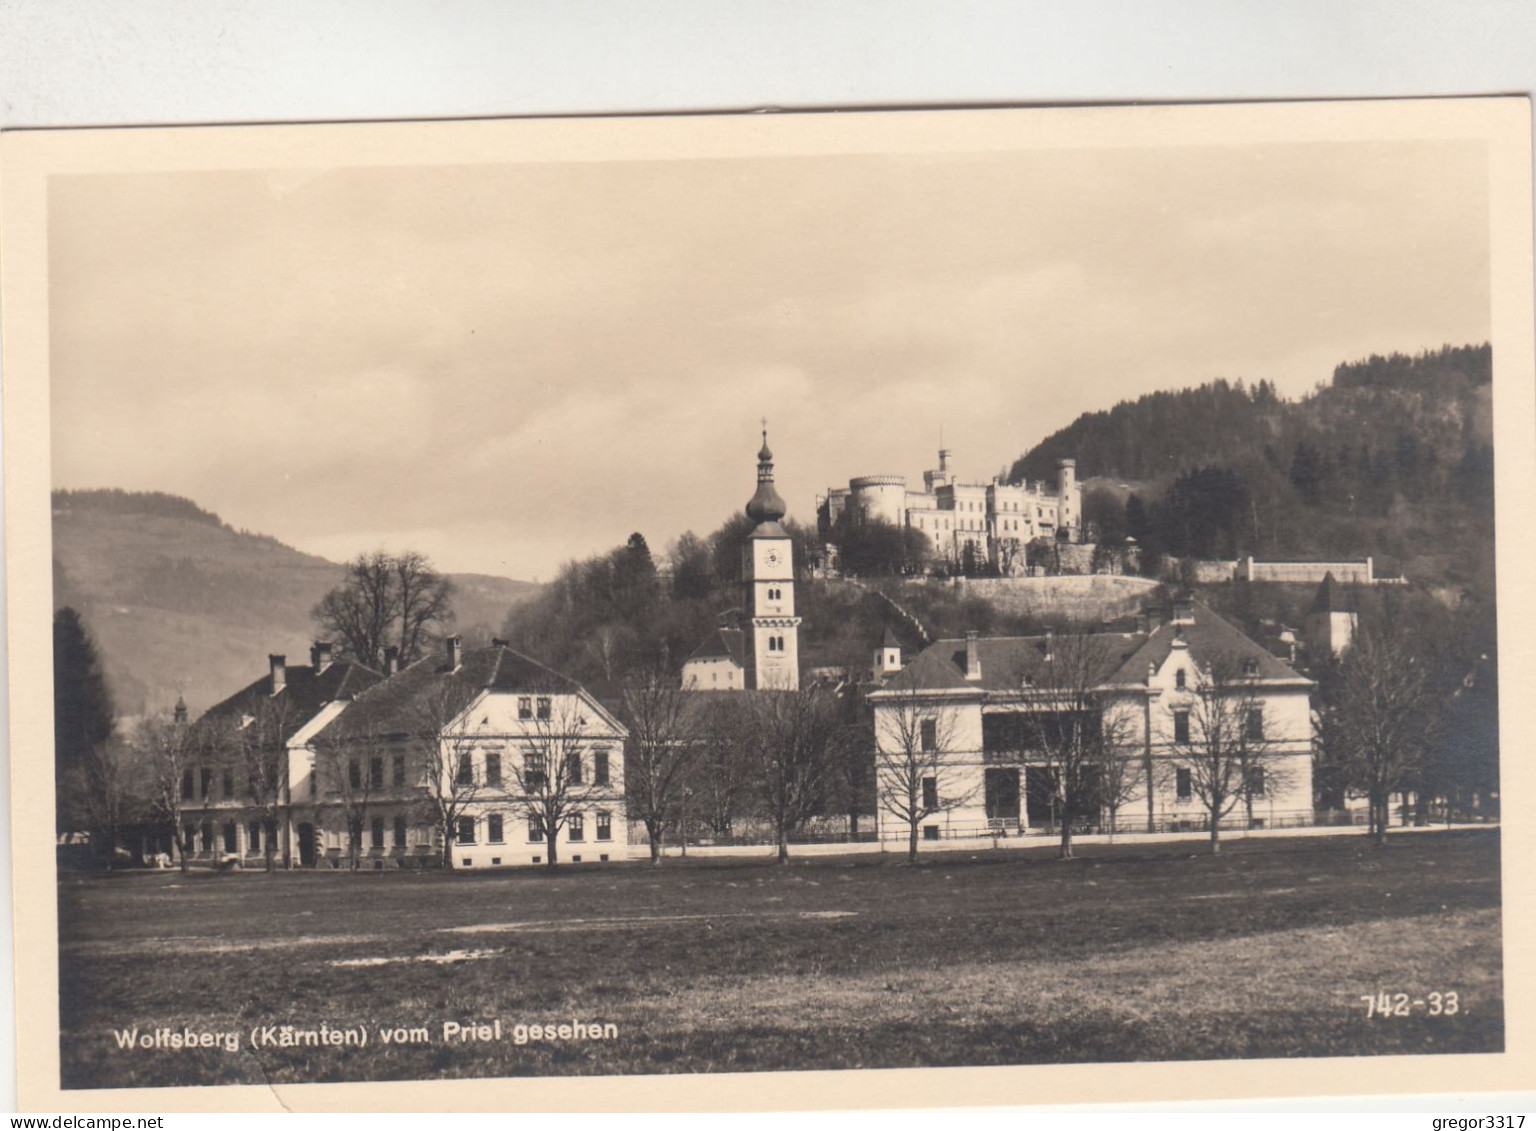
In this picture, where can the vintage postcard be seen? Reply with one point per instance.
(738, 611)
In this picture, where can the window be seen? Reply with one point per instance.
(354, 774)
(253, 836)
(605, 826)
(493, 769)
(314, 781)
(930, 735)
(466, 773)
(1256, 724)
(1181, 726)
(398, 769)
(400, 832)
(525, 707)
(535, 831)
(544, 707)
(186, 785)
(466, 834)
(930, 832)
(577, 829)
(493, 829)
(1183, 786)
(376, 833)
(1256, 781)
(573, 768)
(376, 773)
(205, 835)
(600, 767)
(533, 773)
(1250, 667)
(228, 783)
(230, 844)
(205, 782)
(930, 793)
(1181, 679)
(191, 837)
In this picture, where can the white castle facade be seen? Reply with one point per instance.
(991, 521)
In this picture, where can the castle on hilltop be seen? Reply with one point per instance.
(962, 520)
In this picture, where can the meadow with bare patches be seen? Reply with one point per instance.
(1133, 952)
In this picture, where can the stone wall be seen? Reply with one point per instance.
(1086, 598)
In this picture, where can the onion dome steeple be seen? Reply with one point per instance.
(765, 505)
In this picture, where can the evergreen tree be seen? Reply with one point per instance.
(82, 714)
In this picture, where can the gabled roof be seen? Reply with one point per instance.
(722, 644)
(304, 693)
(1109, 658)
(1007, 660)
(1211, 641)
(402, 703)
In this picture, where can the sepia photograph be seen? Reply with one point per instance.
(733, 596)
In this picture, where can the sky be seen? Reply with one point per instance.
(507, 366)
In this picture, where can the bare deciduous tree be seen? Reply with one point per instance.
(108, 789)
(170, 752)
(443, 752)
(254, 747)
(914, 781)
(1382, 723)
(793, 740)
(386, 599)
(350, 766)
(718, 784)
(1070, 731)
(664, 741)
(553, 779)
(1230, 754)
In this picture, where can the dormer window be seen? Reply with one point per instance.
(1181, 679)
(1250, 667)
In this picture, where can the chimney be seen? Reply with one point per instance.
(391, 660)
(455, 648)
(279, 672)
(972, 656)
(320, 655)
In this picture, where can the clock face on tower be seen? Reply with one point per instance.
(771, 557)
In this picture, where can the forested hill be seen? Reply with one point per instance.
(180, 603)
(1226, 423)
(1392, 457)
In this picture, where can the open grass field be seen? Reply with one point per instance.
(1141, 952)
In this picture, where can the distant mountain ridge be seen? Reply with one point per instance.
(181, 603)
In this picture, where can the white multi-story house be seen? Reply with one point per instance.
(974, 707)
(478, 758)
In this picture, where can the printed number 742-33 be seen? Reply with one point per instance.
(1437, 1004)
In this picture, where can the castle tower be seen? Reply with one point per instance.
(768, 576)
(1070, 494)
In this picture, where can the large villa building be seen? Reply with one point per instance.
(1173, 700)
(477, 751)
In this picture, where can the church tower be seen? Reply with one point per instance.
(768, 576)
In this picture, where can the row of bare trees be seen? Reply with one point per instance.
(780, 758)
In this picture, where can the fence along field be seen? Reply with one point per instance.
(1144, 952)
